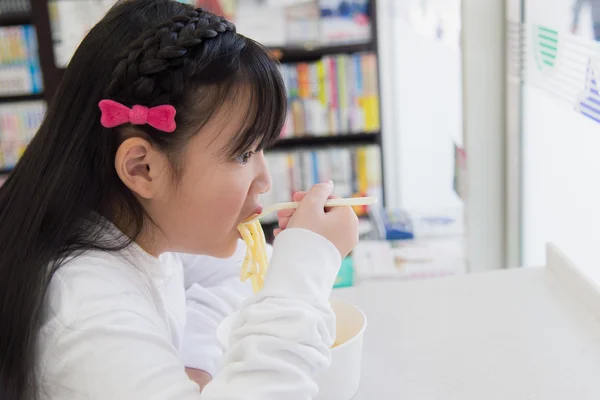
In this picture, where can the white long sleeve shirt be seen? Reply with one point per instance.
(213, 291)
(115, 325)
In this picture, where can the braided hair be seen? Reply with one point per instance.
(146, 52)
(154, 69)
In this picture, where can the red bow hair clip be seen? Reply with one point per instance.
(159, 117)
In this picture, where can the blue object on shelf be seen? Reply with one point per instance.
(397, 225)
(392, 224)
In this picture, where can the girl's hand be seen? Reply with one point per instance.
(284, 216)
(339, 224)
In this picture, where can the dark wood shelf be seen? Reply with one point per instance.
(13, 19)
(21, 97)
(311, 53)
(351, 139)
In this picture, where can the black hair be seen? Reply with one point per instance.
(146, 52)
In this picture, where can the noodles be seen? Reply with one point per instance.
(255, 262)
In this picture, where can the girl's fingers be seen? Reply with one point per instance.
(283, 222)
(277, 232)
(298, 196)
(327, 209)
(287, 213)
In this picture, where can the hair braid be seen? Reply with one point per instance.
(150, 69)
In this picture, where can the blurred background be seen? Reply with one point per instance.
(476, 123)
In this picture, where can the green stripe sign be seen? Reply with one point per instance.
(546, 46)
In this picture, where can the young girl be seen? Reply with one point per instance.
(152, 148)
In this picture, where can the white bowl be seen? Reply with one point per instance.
(342, 379)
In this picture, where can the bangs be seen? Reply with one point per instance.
(267, 101)
(243, 84)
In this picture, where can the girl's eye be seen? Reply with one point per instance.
(244, 158)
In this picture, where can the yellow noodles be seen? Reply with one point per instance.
(255, 262)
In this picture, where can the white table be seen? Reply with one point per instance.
(531, 333)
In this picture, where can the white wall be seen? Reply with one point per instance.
(561, 182)
(561, 147)
(421, 85)
(429, 119)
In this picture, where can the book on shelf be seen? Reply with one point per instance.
(333, 96)
(272, 23)
(345, 21)
(354, 171)
(20, 71)
(220, 7)
(70, 20)
(302, 23)
(279, 23)
(12, 7)
(18, 123)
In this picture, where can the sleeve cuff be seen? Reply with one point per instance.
(304, 265)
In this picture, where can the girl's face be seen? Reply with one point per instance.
(199, 212)
(216, 192)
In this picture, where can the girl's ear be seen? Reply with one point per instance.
(140, 167)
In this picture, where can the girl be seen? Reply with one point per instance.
(152, 147)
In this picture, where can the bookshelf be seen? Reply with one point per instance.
(312, 53)
(312, 142)
(20, 97)
(40, 16)
(14, 19)
(300, 141)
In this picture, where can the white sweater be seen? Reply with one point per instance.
(115, 325)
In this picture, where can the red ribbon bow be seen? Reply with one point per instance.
(115, 114)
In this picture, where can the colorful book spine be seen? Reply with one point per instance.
(336, 95)
(361, 171)
(355, 172)
(358, 114)
(20, 71)
(371, 99)
(18, 124)
(334, 118)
